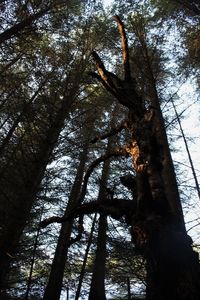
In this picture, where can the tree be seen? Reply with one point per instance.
(97, 288)
(157, 223)
(28, 144)
(54, 285)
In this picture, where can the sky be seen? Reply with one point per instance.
(107, 2)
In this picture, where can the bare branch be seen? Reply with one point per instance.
(54, 219)
(95, 163)
(104, 75)
(112, 132)
(125, 50)
(117, 208)
(72, 214)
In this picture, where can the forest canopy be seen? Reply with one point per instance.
(99, 122)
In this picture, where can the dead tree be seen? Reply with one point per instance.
(157, 223)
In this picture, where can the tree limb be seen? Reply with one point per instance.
(56, 219)
(95, 163)
(117, 208)
(104, 75)
(125, 50)
(112, 132)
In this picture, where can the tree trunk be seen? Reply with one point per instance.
(187, 150)
(158, 228)
(85, 258)
(97, 288)
(54, 286)
(172, 267)
(15, 29)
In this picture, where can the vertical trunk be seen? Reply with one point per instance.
(129, 288)
(33, 260)
(168, 172)
(188, 151)
(54, 286)
(172, 265)
(97, 288)
(158, 227)
(85, 259)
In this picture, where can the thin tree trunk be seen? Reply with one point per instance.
(187, 150)
(15, 29)
(97, 288)
(82, 273)
(129, 288)
(33, 259)
(54, 286)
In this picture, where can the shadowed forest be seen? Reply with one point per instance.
(99, 141)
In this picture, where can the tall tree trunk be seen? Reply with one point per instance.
(97, 288)
(172, 265)
(54, 286)
(85, 259)
(188, 151)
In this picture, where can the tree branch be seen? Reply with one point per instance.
(125, 50)
(95, 163)
(103, 82)
(56, 219)
(104, 75)
(112, 132)
(117, 208)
